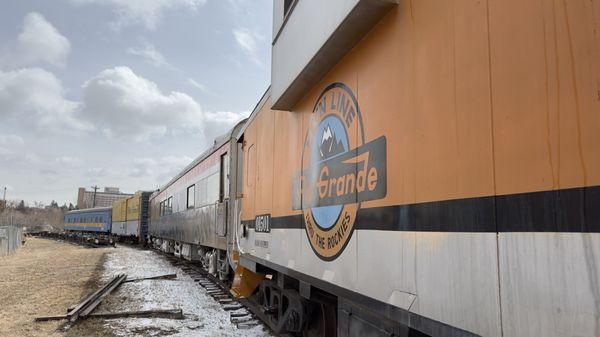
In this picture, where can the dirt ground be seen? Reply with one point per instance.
(43, 278)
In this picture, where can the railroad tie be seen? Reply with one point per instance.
(233, 306)
(248, 325)
(243, 319)
(220, 295)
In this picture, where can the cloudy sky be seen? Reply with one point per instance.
(121, 92)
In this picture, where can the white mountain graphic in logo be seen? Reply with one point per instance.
(330, 145)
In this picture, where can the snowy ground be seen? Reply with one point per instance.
(203, 316)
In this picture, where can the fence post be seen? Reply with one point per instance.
(10, 236)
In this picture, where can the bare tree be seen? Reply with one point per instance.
(18, 213)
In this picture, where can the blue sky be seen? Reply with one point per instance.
(122, 92)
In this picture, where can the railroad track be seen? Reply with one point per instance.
(243, 313)
(61, 237)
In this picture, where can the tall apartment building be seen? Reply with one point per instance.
(91, 199)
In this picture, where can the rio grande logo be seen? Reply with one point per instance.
(339, 171)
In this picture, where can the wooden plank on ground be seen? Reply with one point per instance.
(160, 277)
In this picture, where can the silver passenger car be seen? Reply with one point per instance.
(190, 214)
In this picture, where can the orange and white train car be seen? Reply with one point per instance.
(427, 168)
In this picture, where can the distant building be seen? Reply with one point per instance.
(90, 199)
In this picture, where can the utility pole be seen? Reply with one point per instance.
(4, 208)
(95, 187)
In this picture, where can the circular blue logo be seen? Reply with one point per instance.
(331, 140)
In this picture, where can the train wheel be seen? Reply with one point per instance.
(322, 322)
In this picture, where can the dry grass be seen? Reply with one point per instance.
(42, 278)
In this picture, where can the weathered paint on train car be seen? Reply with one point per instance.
(119, 217)
(445, 173)
(133, 207)
(193, 208)
(130, 216)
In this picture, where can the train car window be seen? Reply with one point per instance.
(191, 196)
(224, 179)
(170, 205)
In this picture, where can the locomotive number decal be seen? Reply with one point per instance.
(263, 223)
(339, 171)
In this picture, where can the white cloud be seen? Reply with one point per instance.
(196, 84)
(125, 105)
(246, 40)
(219, 122)
(203, 89)
(10, 145)
(160, 169)
(11, 140)
(150, 55)
(143, 12)
(38, 42)
(35, 97)
(97, 172)
(68, 161)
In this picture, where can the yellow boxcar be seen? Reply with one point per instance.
(133, 207)
(130, 217)
(119, 213)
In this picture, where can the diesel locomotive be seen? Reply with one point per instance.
(416, 168)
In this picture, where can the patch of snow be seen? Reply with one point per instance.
(203, 315)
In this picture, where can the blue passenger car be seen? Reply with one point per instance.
(93, 220)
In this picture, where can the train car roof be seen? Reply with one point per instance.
(217, 143)
(88, 210)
